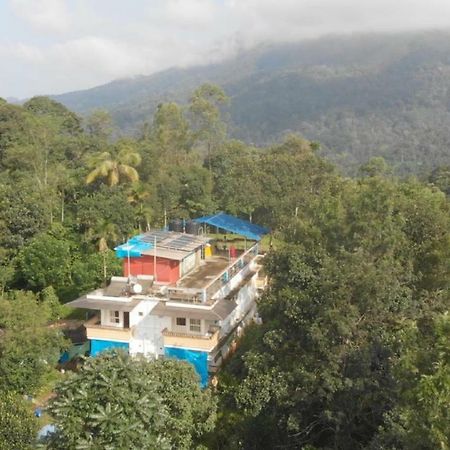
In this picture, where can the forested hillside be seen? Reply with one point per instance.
(359, 96)
(353, 348)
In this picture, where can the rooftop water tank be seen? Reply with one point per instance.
(176, 225)
(192, 227)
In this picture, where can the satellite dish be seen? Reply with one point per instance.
(137, 288)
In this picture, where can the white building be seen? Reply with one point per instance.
(178, 298)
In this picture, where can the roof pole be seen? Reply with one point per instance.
(129, 262)
(154, 259)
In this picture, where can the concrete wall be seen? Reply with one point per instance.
(147, 334)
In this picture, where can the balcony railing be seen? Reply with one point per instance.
(226, 275)
(94, 330)
(206, 342)
(204, 295)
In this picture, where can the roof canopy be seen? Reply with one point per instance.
(234, 225)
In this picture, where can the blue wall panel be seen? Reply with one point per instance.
(198, 359)
(98, 346)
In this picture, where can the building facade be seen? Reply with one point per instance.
(180, 297)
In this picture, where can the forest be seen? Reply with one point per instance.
(353, 350)
(360, 96)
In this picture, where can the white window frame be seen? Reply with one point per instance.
(195, 325)
(114, 317)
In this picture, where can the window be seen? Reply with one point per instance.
(141, 313)
(181, 321)
(114, 316)
(195, 325)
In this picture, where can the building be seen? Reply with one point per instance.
(181, 295)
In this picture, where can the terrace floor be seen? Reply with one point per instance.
(205, 273)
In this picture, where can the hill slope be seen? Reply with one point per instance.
(359, 96)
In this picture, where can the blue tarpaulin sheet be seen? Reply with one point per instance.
(198, 359)
(235, 225)
(133, 248)
(98, 346)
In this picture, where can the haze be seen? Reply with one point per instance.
(55, 46)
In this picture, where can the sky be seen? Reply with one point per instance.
(56, 46)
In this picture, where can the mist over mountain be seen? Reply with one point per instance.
(359, 96)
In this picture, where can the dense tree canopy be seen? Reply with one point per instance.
(29, 349)
(369, 261)
(352, 352)
(18, 428)
(119, 402)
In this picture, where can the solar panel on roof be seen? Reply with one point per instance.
(151, 236)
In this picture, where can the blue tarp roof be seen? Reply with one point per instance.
(133, 247)
(234, 225)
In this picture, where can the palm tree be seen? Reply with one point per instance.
(138, 196)
(103, 234)
(116, 165)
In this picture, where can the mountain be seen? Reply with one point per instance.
(359, 96)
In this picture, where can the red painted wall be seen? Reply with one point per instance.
(167, 270)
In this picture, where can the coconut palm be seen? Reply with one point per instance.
(115, 166)
(138, 196)
(104, 234)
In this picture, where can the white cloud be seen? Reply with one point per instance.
(93, 41)
(191, 13)
(43, 15)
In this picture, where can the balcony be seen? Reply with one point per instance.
(197, 342)
(94, 330)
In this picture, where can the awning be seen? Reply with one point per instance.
(235, 225)
(90, 303)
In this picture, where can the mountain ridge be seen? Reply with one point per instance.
(359, 95)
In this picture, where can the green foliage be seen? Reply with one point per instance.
(104, 206)
(352, 350)
(99, 125)
(115, 166)
(18, 428)
(50, 301)
(29, 349)
(360, 262)
(68, 121)
(46, 261)
(421, 418)
(118, 402)
(191, 412)
(89, 272)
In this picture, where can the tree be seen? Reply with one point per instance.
(115, 166)
(116, 401)
(50, 301)
(29, 350)
(67, 121)
(99, 125)
(361, 261)
(18, 428)
(46, 261)
(208, 129)
(191, 411)
(421, 418)
(104, 205)
(105, 234)
(171, 133)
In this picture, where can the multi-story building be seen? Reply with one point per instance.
(181, 295)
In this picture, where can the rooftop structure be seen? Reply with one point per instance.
(181, 295)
